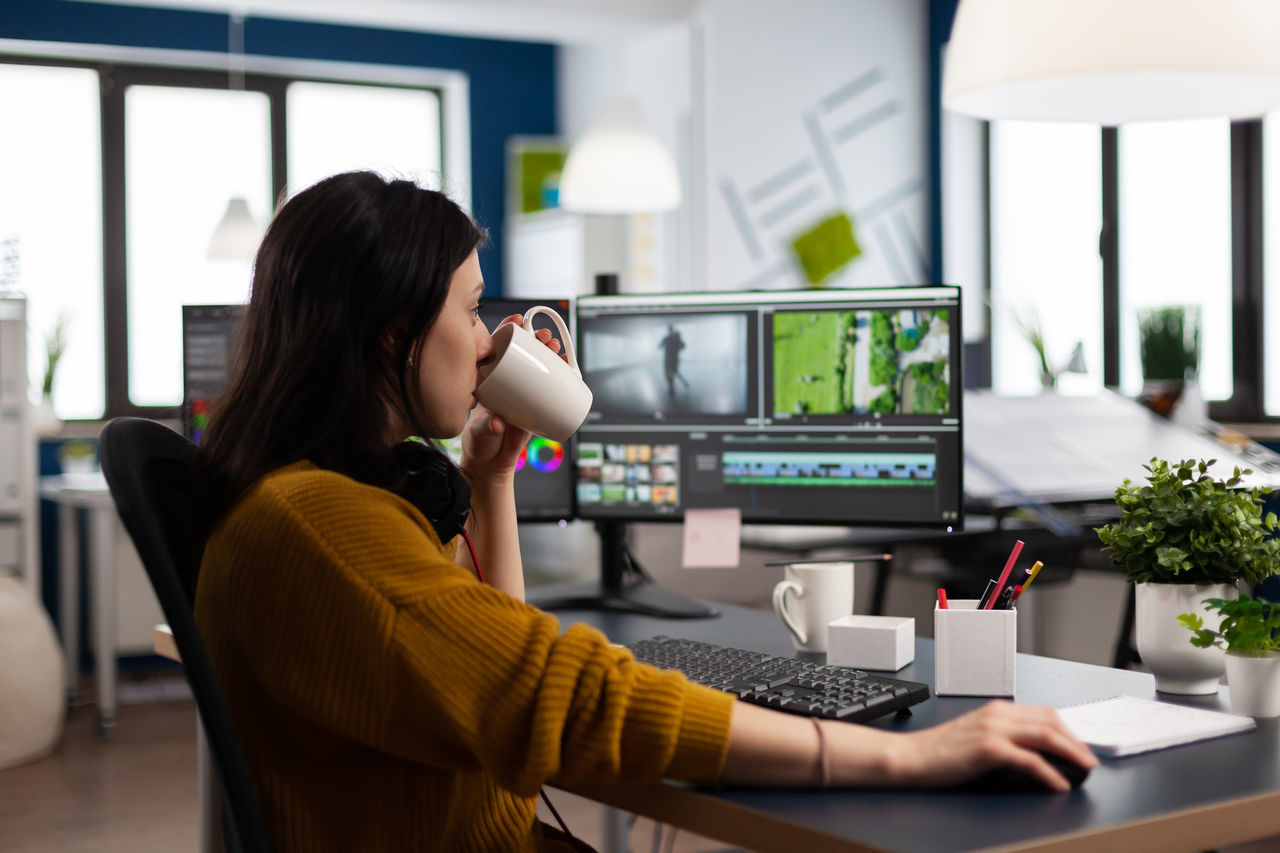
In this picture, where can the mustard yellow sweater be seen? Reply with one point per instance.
(387, 700)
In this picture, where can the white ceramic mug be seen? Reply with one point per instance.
(823, 591)
(529, 385)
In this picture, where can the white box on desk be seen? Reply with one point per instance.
(872, 642)
(975, 651)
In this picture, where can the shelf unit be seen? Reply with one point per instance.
(18, 505)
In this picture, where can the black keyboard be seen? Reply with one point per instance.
(787, 684)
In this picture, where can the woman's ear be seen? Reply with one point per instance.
(391, 346)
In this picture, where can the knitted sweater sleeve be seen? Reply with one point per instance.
(414, 656)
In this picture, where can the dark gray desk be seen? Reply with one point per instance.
(1190, 798)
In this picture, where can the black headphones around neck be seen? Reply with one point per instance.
(432, 483)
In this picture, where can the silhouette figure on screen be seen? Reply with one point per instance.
(671, 346)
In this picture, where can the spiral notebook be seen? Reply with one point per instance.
(1126, 725)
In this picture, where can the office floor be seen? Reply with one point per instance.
(136, 793)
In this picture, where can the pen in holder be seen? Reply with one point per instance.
(975, 651)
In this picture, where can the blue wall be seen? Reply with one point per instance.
(512, 84)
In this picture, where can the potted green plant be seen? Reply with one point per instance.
(1182, 538)
(1249, 633)
(1169, 342)
(1169, 346)
(44, 420)
(78, 456)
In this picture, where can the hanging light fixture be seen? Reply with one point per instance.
(237, 234)
(1113, 61)
(619, 166)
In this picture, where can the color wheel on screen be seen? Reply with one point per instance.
(542, 454)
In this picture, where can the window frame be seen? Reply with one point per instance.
(119, 68)
(1247, 282)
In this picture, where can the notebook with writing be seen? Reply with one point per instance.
(1126, 725)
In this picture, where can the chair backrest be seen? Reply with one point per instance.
(150, 470)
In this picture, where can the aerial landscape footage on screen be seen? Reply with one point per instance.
(888, 362)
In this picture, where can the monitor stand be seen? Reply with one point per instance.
(615, 591)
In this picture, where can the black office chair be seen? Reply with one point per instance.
(150, 470)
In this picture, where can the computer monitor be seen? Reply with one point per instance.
(544, 479)
(208, 346)
(793, 407)
(544, 474)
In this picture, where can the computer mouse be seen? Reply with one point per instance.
(1011, 780)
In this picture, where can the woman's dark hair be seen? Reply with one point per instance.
(350, 276)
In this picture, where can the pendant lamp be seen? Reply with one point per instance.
(619, 166)
(1113, 61)
(237, 235)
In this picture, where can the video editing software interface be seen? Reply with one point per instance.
(544, 477)
(830, 406)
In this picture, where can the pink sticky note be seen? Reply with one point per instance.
(712, 538)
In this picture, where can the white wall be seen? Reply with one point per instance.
(779, 115)
(816, 107)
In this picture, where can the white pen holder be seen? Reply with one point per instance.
(975, 651)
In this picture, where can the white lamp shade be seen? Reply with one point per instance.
(1113, 61)
(619, 166)
(238, 234)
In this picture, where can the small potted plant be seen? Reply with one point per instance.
(78, 456)
(1169, 346)
(1182, 538)
(1250, 636)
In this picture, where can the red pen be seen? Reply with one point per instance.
(1017, 591)
(1004, 576)
(942, 599)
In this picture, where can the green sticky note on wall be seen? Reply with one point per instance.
(825, 249)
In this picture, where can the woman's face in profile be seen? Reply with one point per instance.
(457, 344)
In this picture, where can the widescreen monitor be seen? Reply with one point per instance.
(816, 406)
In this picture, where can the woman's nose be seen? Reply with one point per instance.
(484, 345)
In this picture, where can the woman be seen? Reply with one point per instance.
(391, 689)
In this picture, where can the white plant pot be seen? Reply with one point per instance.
(1165, 646)
(1254, 684)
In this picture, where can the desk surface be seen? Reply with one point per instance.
(1058, 448)
(1189, 798)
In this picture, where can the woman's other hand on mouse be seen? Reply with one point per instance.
(999, 734)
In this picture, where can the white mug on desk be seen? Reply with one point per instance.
(822, 592)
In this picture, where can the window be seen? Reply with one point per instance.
(51, 207)
(1046, 214)
(334, 128)
(134, 166)
(1090, 226)
(188, 152)
(1175, 239)
(1271, 265)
